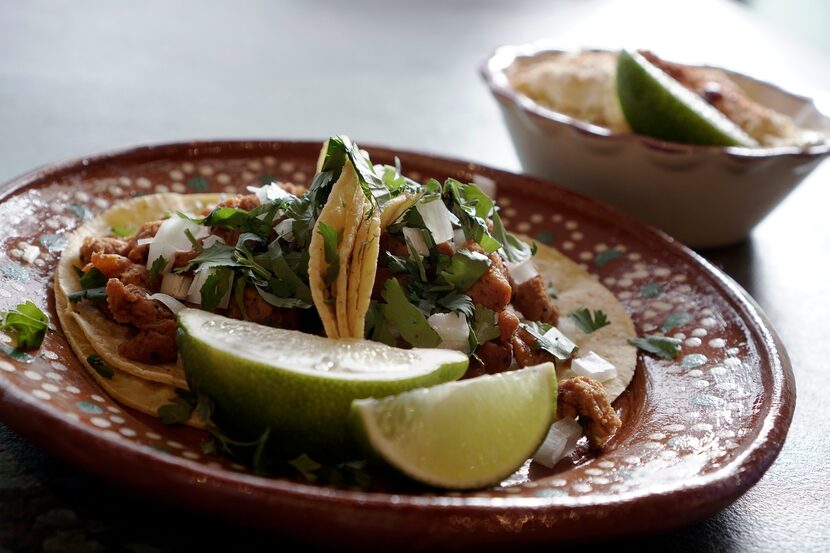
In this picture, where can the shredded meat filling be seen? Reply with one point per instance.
(105, 245)
(532, 299)
(117, 266)
(492, 289)
(136, 253)
(584, 397)
(156, 339)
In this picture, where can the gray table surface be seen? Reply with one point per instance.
(80, 77)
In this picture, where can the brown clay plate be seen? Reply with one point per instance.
(697, 431)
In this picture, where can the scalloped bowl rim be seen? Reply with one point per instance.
(493, 71)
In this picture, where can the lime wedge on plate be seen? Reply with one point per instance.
(657, 105)
(462, 435)
(299, 385)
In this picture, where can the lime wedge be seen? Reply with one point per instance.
(299, 385)
(657, 105)
(462, 435)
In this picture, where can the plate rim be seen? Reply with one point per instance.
(729, 481)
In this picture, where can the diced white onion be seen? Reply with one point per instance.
(415, 236)
(453, 330)
(459, 238)
(594, 366)
(171, 303)
(559, 443)
(176, 285)
(170, 239)
(555, 335)
(194, 294)
(485, 184)
(269, 192)
(144, 241)
(523, 270)
(437, 219)
(204, 232)
(30, 253)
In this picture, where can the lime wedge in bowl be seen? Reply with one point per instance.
(657, 105)
(462, 435)
(298, 385)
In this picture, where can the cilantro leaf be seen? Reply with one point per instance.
(557, 345)
(156, 268)
(215, 287)
(28, 322)
(586, 321)
(93, 279)
(678, 318)
(661, 346)
(218, 254)
(330, 242)
(465, 269)
(93, 294)
(100, 367)
(513, 249)
(122, 232)
(457, 303)
(485, 326)
(407, 318)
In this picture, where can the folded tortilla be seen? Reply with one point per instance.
(142, 386)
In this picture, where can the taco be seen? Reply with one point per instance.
(364, 252)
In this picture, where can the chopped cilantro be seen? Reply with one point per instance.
(217, 255)
(100, 367)
(678, 318)
(93, 294)
(330, 242)
(156, 268)
(93, 279)
(215, 287)
(193, 242)
(662, 346)
(558, 345)
(465, 269)
(407, 318)
(589, 322)
(29, 324)
(484, 326)
(457, 303)
(122, 232)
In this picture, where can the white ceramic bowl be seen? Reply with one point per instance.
(704, 196)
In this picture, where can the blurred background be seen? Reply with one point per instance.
(80, 78)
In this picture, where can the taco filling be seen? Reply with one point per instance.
(362, 252)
